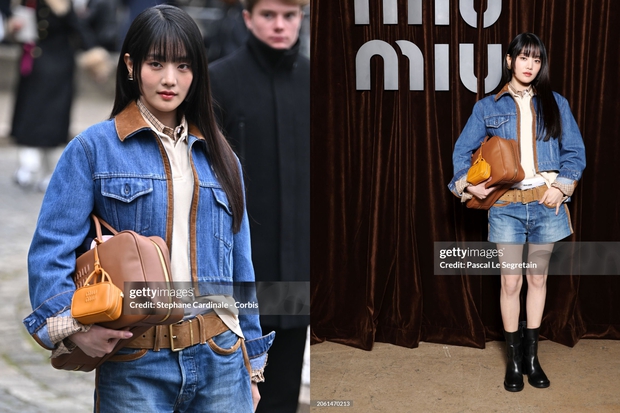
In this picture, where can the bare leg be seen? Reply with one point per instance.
(510, 305)
(538, 255)
(511, 283)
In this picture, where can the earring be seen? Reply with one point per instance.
(130, 76)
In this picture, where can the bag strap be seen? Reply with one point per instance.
(480, 158)
(479, 150)
(98, 269)
(98, 222)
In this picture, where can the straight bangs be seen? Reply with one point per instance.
(168, 46)
(528, 45)
(530, 50)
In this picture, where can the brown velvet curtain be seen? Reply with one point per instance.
(381, 160)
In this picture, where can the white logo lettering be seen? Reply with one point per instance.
(442, 51)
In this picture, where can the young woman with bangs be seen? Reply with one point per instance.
(160, 166)
(533, 211)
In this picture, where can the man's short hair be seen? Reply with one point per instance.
(249, 4)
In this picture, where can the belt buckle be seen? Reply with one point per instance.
(172, 337)
(531, 195)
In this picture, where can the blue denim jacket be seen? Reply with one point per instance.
(118, 170)
(498, 116)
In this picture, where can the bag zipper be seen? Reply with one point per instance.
(166, 275)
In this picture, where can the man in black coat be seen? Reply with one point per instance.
(262, 95)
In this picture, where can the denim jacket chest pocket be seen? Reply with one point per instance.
(128, 202)
(501, 125)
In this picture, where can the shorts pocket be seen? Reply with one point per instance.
(224, 344)
(500, 204)
(128, 354)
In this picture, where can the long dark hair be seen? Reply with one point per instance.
(170, 34)
(548, 114)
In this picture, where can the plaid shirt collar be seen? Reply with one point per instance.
(515, 92)
(180, 132)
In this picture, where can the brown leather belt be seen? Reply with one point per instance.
(197, 330)
(524, 196)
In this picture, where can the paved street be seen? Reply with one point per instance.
(28, 383)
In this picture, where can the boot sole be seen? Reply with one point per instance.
(513, 389)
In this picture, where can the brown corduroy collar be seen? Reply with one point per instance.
(130, 120)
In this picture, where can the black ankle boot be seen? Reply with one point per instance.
(514, 377)
(531, 367)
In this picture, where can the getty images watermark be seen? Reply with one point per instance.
(486, 258)
(245, 298)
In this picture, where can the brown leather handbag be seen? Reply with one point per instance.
(131, 260)
(503, 156)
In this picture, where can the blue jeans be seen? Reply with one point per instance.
(520, 223)
(201, 378)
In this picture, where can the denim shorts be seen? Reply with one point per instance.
(533, 222)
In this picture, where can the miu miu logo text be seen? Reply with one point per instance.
(441, 51)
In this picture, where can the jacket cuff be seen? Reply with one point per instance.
(258, 368)
(257, 350)
(55, 306)
(42, 337)
(258, 363)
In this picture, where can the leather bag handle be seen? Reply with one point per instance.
(98, 222)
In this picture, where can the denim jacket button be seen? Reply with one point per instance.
(127, 190)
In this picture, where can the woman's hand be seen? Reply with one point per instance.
(552, 197)
(480, 191)
(98, 341)
(255, 395)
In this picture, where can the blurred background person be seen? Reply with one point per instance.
(262, 92)
(50, 34)
(227, 34)
(100, 19)
(5, 13)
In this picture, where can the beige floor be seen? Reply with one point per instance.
(445, 379)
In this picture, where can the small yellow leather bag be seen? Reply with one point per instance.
(98, 300)
(479, 171)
